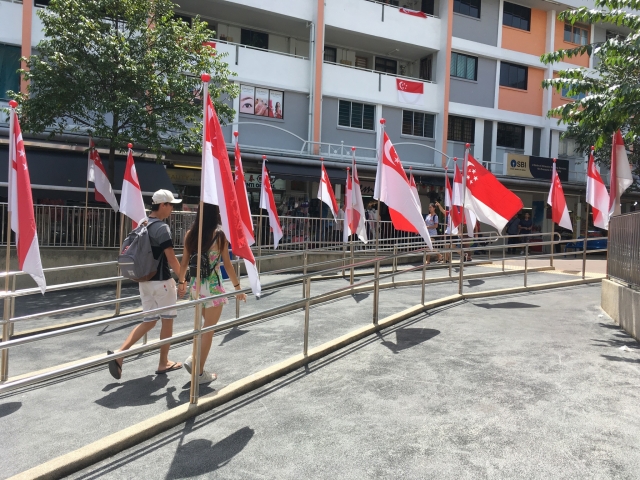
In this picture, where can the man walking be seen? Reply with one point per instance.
(512, 231)
(160, 290)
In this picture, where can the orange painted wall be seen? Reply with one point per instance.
(532, 42)
(560, 44)
(524, 101)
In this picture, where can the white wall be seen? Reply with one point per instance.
(10, 23)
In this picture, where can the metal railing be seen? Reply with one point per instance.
(624, 248)
(448, 247)
(393, 6)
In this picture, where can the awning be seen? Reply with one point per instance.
(54, 171)
(305, 172)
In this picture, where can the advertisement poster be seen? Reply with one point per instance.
(247, 95)
(261, 103)
(276, 103)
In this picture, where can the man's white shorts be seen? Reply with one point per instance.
(158, 294)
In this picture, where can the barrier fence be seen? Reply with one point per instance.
(624, 248)
(347, 267)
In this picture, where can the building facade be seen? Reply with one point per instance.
(316, 77)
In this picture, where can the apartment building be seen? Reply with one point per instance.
(316, 77)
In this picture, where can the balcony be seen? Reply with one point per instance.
(266, 67)
(385, 22)
(249, 10)
(369, 86)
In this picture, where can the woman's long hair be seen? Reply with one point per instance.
(210, 230)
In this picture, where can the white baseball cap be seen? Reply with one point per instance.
(164, 196)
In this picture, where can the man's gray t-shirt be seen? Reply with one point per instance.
(160, 239)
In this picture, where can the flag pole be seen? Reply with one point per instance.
(381, 147)
(584, 242)
(86, 200)
(320, 192)
(553, 224)
(464, 194)
(197, 321)
(447, 215)
(4, 367)
(347, 219)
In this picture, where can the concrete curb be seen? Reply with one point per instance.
(119, 441)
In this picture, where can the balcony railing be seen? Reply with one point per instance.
(388, 5)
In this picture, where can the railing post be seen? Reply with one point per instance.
(351, 275)
(4, 356)
(526, 263)
(504, 240)
(424, 273)
(344, 259)
(237, 299)
(461, 273)
(307, 294)
(13, 305)
(376, 293)
(394, 263)
(584, 246)
(304, 271)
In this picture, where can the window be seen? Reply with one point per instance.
(578, 96)
(467, 7)
(9, 64)
(514, 76)
(417, 124)
(254, 39)
(428, 7)
(330, 54)
(41, 3)
(426, 68)
(567, 148)
(362, 62)
(510, 136)
(386, 65)
(575, 34)
(516, 16)
(464, 66)
(356, 115)
(461, 129)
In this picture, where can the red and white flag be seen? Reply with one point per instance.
(490, 201)
(414, 190)
(621, 177)
(358, 217)
(325, 193)
(459, 214)
(23, 222)
(347, 230)
(131, 202)
(597, 195)
(395, 192)
(452, 227)
(415, 13)
(243, 199)
(217, 188)
(559, 210)
(409, 92)
(98, 175)
(269, 204)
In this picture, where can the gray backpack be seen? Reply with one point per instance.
(136, 260)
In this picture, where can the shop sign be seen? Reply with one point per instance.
(183, 176)
(254, 181)
(528, 166)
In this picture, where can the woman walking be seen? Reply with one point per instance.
(431, 220)
(215, 250)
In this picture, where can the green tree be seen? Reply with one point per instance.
(609, 98)
(119, 70)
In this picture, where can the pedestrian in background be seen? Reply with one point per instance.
(513, 231)
(431, 221)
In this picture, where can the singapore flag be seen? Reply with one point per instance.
(410, 92)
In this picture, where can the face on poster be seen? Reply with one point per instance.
(276, 104)
(247, 95)
(261, 103)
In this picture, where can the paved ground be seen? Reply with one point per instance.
(526, 386)
(99, 406)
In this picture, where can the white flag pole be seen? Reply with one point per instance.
(86, 198)
(4, 367)
(379, 180)
(320, 192)
(464, 194)
(197, 321)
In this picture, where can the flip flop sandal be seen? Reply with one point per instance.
(115, 369)
(174, 366)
